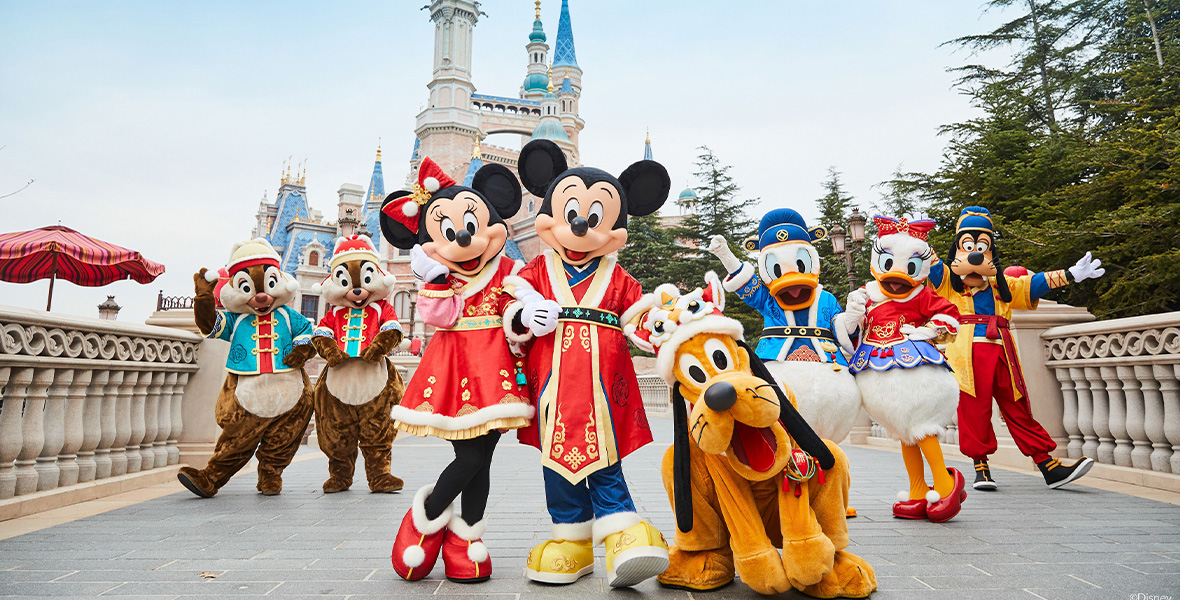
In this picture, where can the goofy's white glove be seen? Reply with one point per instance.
(1087, 268)
(918, 334)
(720, 248)
(854, 309)
(538, 314)
(426, 269)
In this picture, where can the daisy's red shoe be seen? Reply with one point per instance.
(463, 552)
(905, 508)
(419, 540)
(945, 509)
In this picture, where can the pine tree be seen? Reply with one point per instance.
(835, 208)
(650, 251)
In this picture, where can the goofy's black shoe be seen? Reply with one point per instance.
(983, 477)
(1057, 474)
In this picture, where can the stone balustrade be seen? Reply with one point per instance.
(1120, 384)
(85, 399)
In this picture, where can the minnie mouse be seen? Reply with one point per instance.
(466, 389)
(582, 379)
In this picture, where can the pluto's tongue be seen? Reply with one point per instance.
(758, 450)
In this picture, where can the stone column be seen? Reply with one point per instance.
(67, 458)
(1101, 415)
(1069, 415)
(1170, 390)
(151, 425)
(14, 384)
(48, 472)
(103, 454)
(164, 418)
(862, 429)
(122, 423)
(1044, 396)
(1085, 411)
(1153, 419)
(177, 414)
(135, 458)
(1140, 456)
(92, 426)
(1117, 416)
(33, 428)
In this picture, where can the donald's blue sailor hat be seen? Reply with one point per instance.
(783, 225)
(975, 218)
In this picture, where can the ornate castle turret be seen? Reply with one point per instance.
(446, 126)
(537, 80)
(565, 65)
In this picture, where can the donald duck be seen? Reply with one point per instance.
(802, 324)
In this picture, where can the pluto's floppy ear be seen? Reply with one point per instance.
(392, 230)
(539, 163)
(646, 184)
(796, 427)
(497, 183)
(681, 462)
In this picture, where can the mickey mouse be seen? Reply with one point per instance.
(469, 387)
(583, 382)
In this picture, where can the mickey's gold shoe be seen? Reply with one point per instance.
(635, 554)
(560, 561)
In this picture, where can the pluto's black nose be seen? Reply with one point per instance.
(579, 226)
(720, 396)
(975, 258)
(463, 237)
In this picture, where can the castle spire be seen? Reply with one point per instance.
(563, 50)
(647, 147)
(378, 149)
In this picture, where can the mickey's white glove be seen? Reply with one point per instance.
(1087, 268)
(854, 310)
(918, 334)
(720, 248)
(539, 315)
(426, 269)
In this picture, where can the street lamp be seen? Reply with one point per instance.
(840, 246)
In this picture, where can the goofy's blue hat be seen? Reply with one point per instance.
(975, 218)
(783, 225)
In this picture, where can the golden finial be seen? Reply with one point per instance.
(648, 135)
(475, 153)
(538, 10)
(378, 149)
(550, 76)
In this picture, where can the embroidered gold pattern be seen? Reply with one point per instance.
(466, 410)
(425, 407)
(428, 392)
(584, 334)
(558, 437)
(513, 399)
(487, 303)
(431, 379)
(504, 372)
(886, 330)
(591, 443)
(574, 458)
(506, 385)
(466, 395)
(625, 539)
(463, 383)
(564, 564)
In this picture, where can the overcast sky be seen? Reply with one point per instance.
(159, 125)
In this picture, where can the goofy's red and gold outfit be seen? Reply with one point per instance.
(589, 411)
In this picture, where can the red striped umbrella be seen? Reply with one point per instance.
(56, 251)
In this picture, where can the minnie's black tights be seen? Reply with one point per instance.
(467, 474)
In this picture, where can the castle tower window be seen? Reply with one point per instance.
(310, 307)
(313, 258)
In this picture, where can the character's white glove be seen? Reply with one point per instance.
(539, 315)
(854, 310)
(1087, 268)
(720, 248)
(918, 334)
(426, 269)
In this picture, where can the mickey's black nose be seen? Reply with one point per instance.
(463, 237)
(720, 396)
(579, 226)
(975, 258)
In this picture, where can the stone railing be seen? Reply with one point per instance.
(1119, 383)
(84, 399)
(657, 395)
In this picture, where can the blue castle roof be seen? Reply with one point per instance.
(472, 167)
(550, 130)
(538, 34)
(563, 51)
(536, 82)
(566, 86)
(371, 209)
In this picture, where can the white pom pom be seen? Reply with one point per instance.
(317, 287)
(932, 496)
(211, 276)
(477, 552)
(292, 285)
(431, 184)
(414, 556)
(903, 496)
(389, 280)
(410, 209)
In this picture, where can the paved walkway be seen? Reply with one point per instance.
(1022, 542)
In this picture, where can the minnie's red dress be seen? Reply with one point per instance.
(466, 384)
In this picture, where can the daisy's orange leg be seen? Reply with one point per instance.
(916, 469)
(944, 484)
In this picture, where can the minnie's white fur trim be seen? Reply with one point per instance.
(666, 356)
(932, 497)
(477, 552)
(418, 513)
(410, 208)
(413, 556)
(613, 523)
(431, 184)
(510, 313)
(468, 533)
(211, 275)
(475, 419)
(572, 531)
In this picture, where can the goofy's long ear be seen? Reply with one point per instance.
(681, 462)
(646, 184)
(956, 281)
(539, 163)
(796, 427)
(1001, 279)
